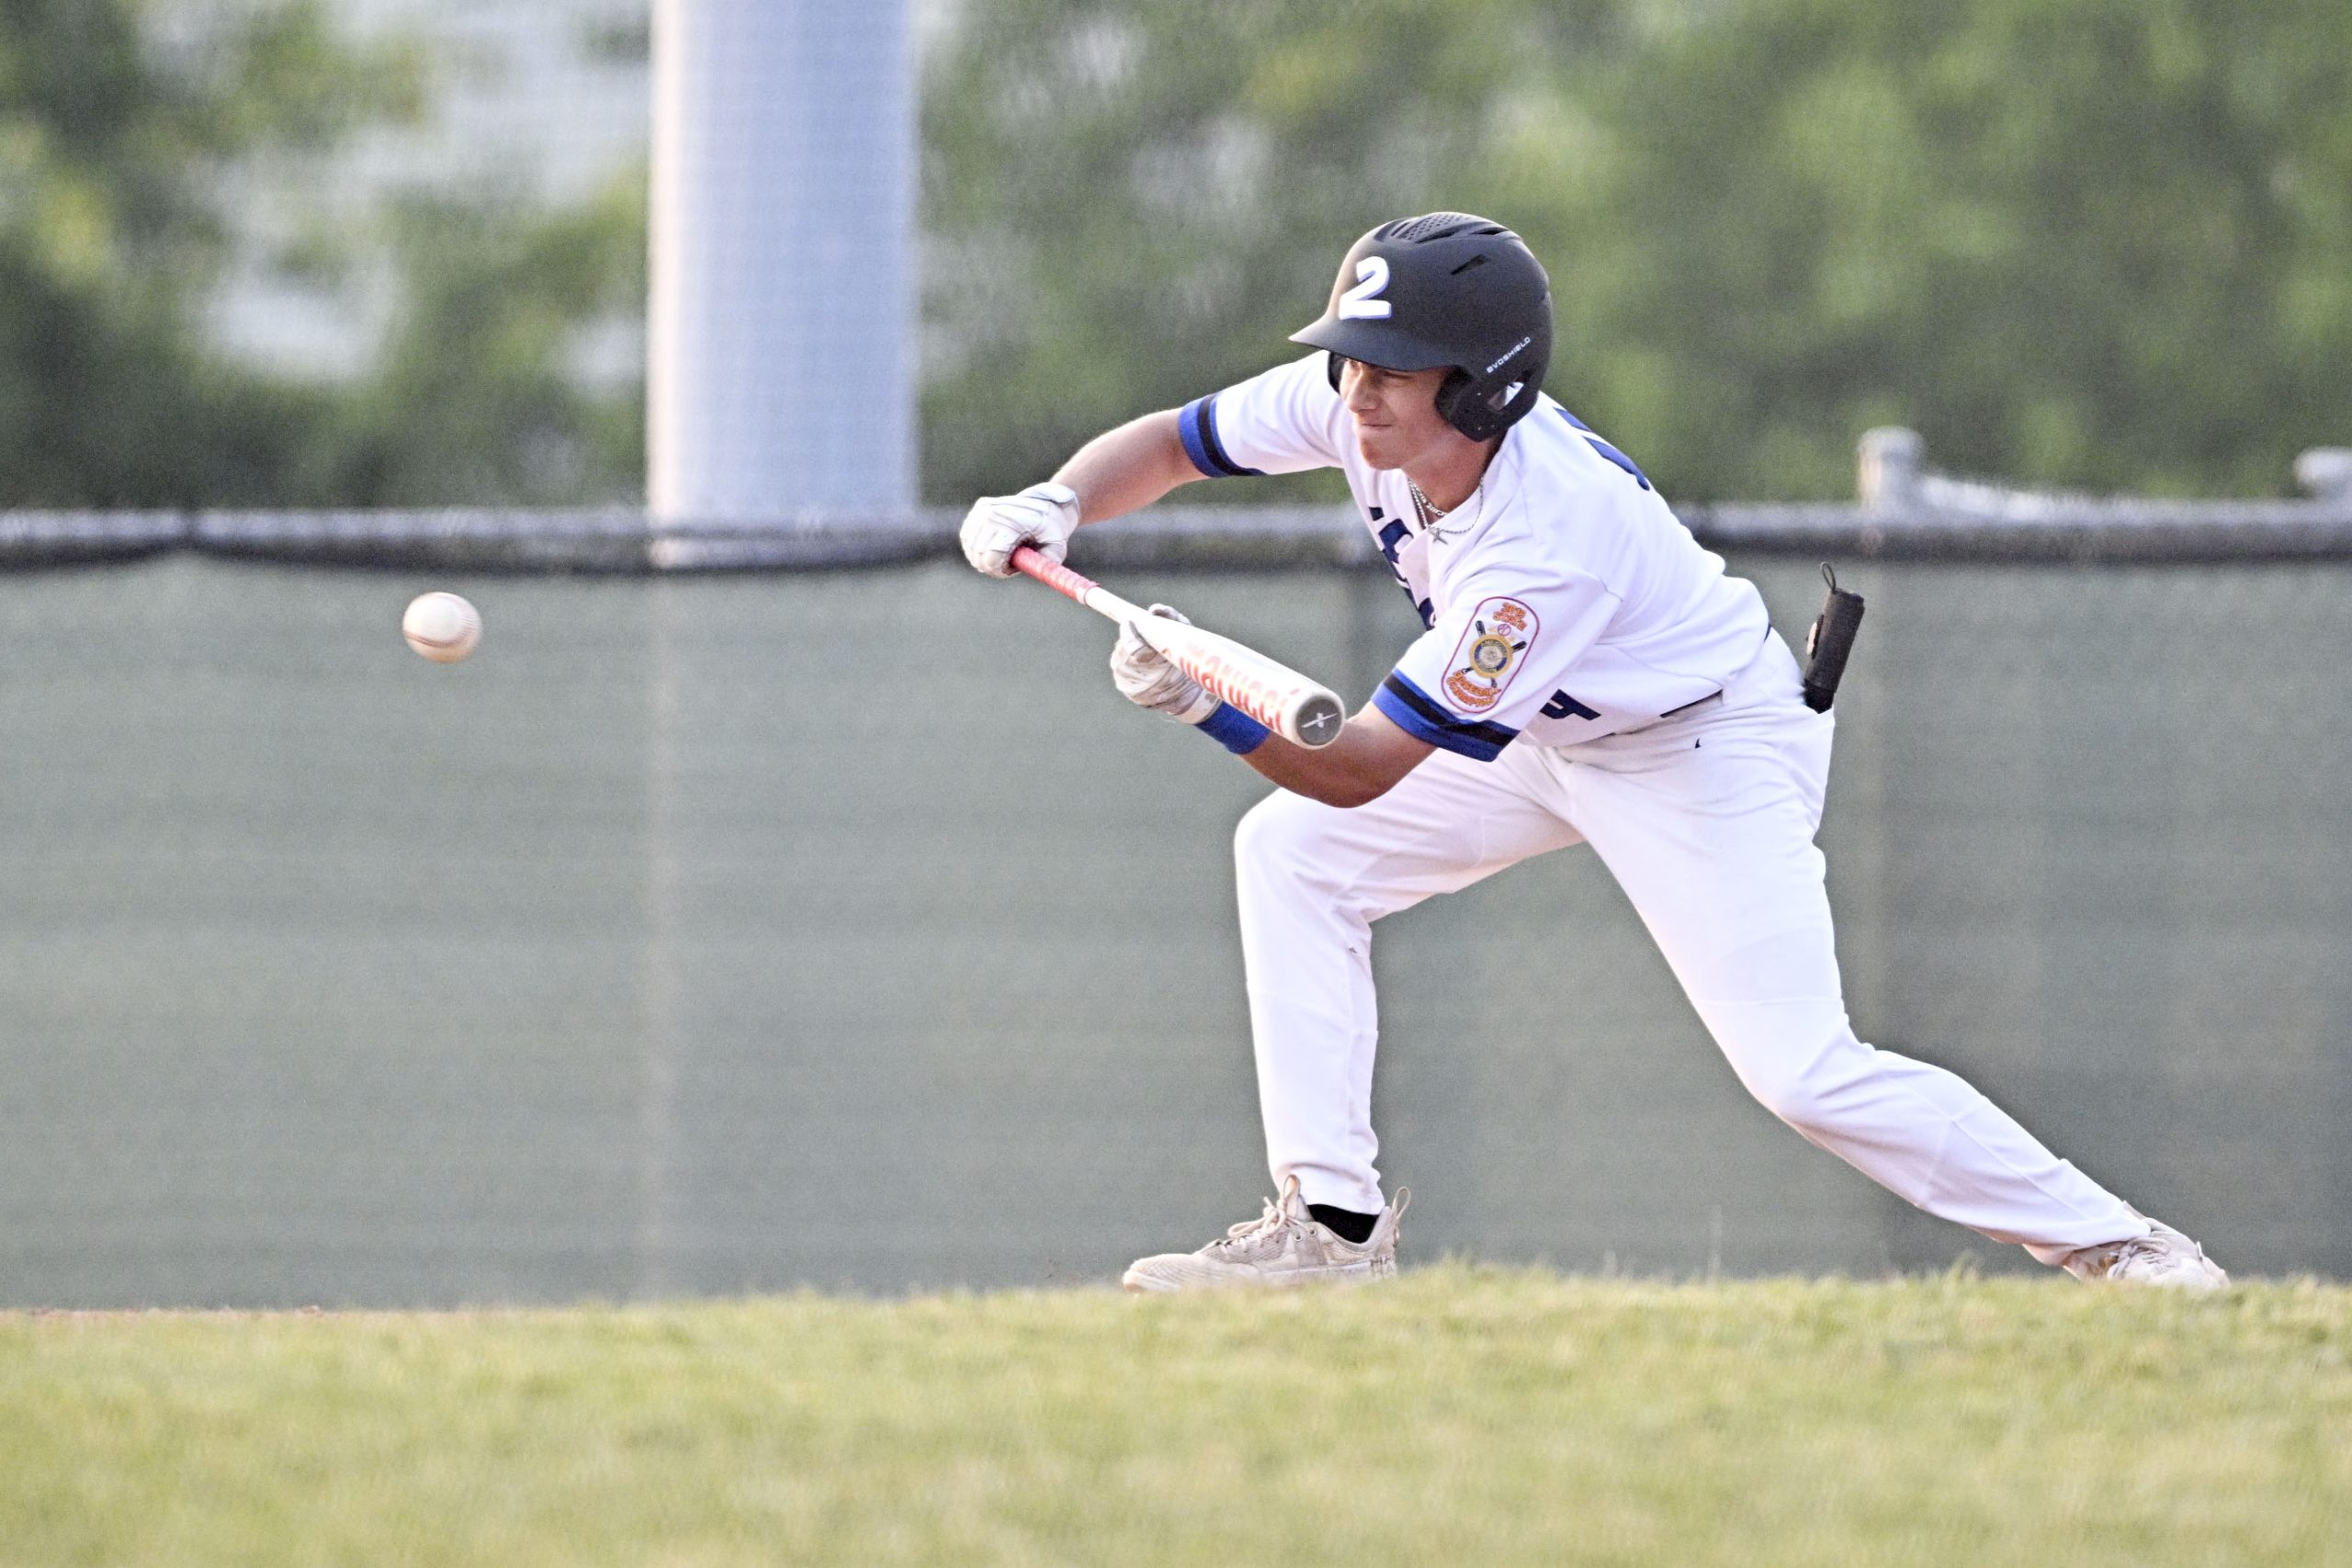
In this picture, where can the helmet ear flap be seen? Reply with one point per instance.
(1455, 406)
(1483, 418)
(1474, 416)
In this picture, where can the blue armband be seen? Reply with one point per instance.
(1234, 730)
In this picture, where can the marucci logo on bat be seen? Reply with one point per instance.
(1490, 654)
(1246, 689)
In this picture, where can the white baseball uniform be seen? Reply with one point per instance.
(1589, 674)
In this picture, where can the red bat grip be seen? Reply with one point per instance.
(1053, 574)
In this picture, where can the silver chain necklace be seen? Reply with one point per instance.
(1431, 515)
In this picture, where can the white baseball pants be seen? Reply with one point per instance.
(1707, 821)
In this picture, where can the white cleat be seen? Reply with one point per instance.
(1282, 1247)
(2164, 1256)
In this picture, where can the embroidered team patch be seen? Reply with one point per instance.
(1488, 659)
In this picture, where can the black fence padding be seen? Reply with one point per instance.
(1212, 537)
(2091, 530)
(589, 543)
(2012, 526)
(36, 539)
(457, 539)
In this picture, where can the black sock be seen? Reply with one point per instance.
(1345, 1224)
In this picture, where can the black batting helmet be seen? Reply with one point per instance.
(1445, 289)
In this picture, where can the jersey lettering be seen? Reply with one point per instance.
(1393, 535)
(1363, 301)
(1608, 451)
(1562, 705)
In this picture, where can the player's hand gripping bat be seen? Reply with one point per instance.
(1275, 695)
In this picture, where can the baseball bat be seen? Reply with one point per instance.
(1277, 696)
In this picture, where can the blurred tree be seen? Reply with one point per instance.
(2094, 242)
(479, 395)
(110, 240)
(122, 126)
(2105, 242)
(2100, 243)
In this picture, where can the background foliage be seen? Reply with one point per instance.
(2094, 242)
(107, 241)
(2097, 243)
(121, 139)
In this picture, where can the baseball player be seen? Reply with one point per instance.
(1585, 673)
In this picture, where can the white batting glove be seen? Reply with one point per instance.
(1147, 677)
(1043, 516)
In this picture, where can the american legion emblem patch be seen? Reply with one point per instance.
(1489, 657)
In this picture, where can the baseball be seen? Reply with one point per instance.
(442, 626)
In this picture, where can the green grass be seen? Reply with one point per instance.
(1462, 1417)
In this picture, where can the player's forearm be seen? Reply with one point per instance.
(1128, 468)
(1364, 763)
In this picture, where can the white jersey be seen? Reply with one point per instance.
(1563, 601)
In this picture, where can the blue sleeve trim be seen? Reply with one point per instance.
(1414, 713)
(1188, 425)
(1197, 425)
(1234, 730)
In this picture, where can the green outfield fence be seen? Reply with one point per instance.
(724, 925)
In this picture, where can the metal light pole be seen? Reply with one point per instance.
(780, 359)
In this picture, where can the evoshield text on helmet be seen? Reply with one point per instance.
(1445, 289)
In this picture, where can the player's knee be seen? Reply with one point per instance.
(1804, 1078)
(1792, 1099)
(1278, 840)
(1269, 833)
